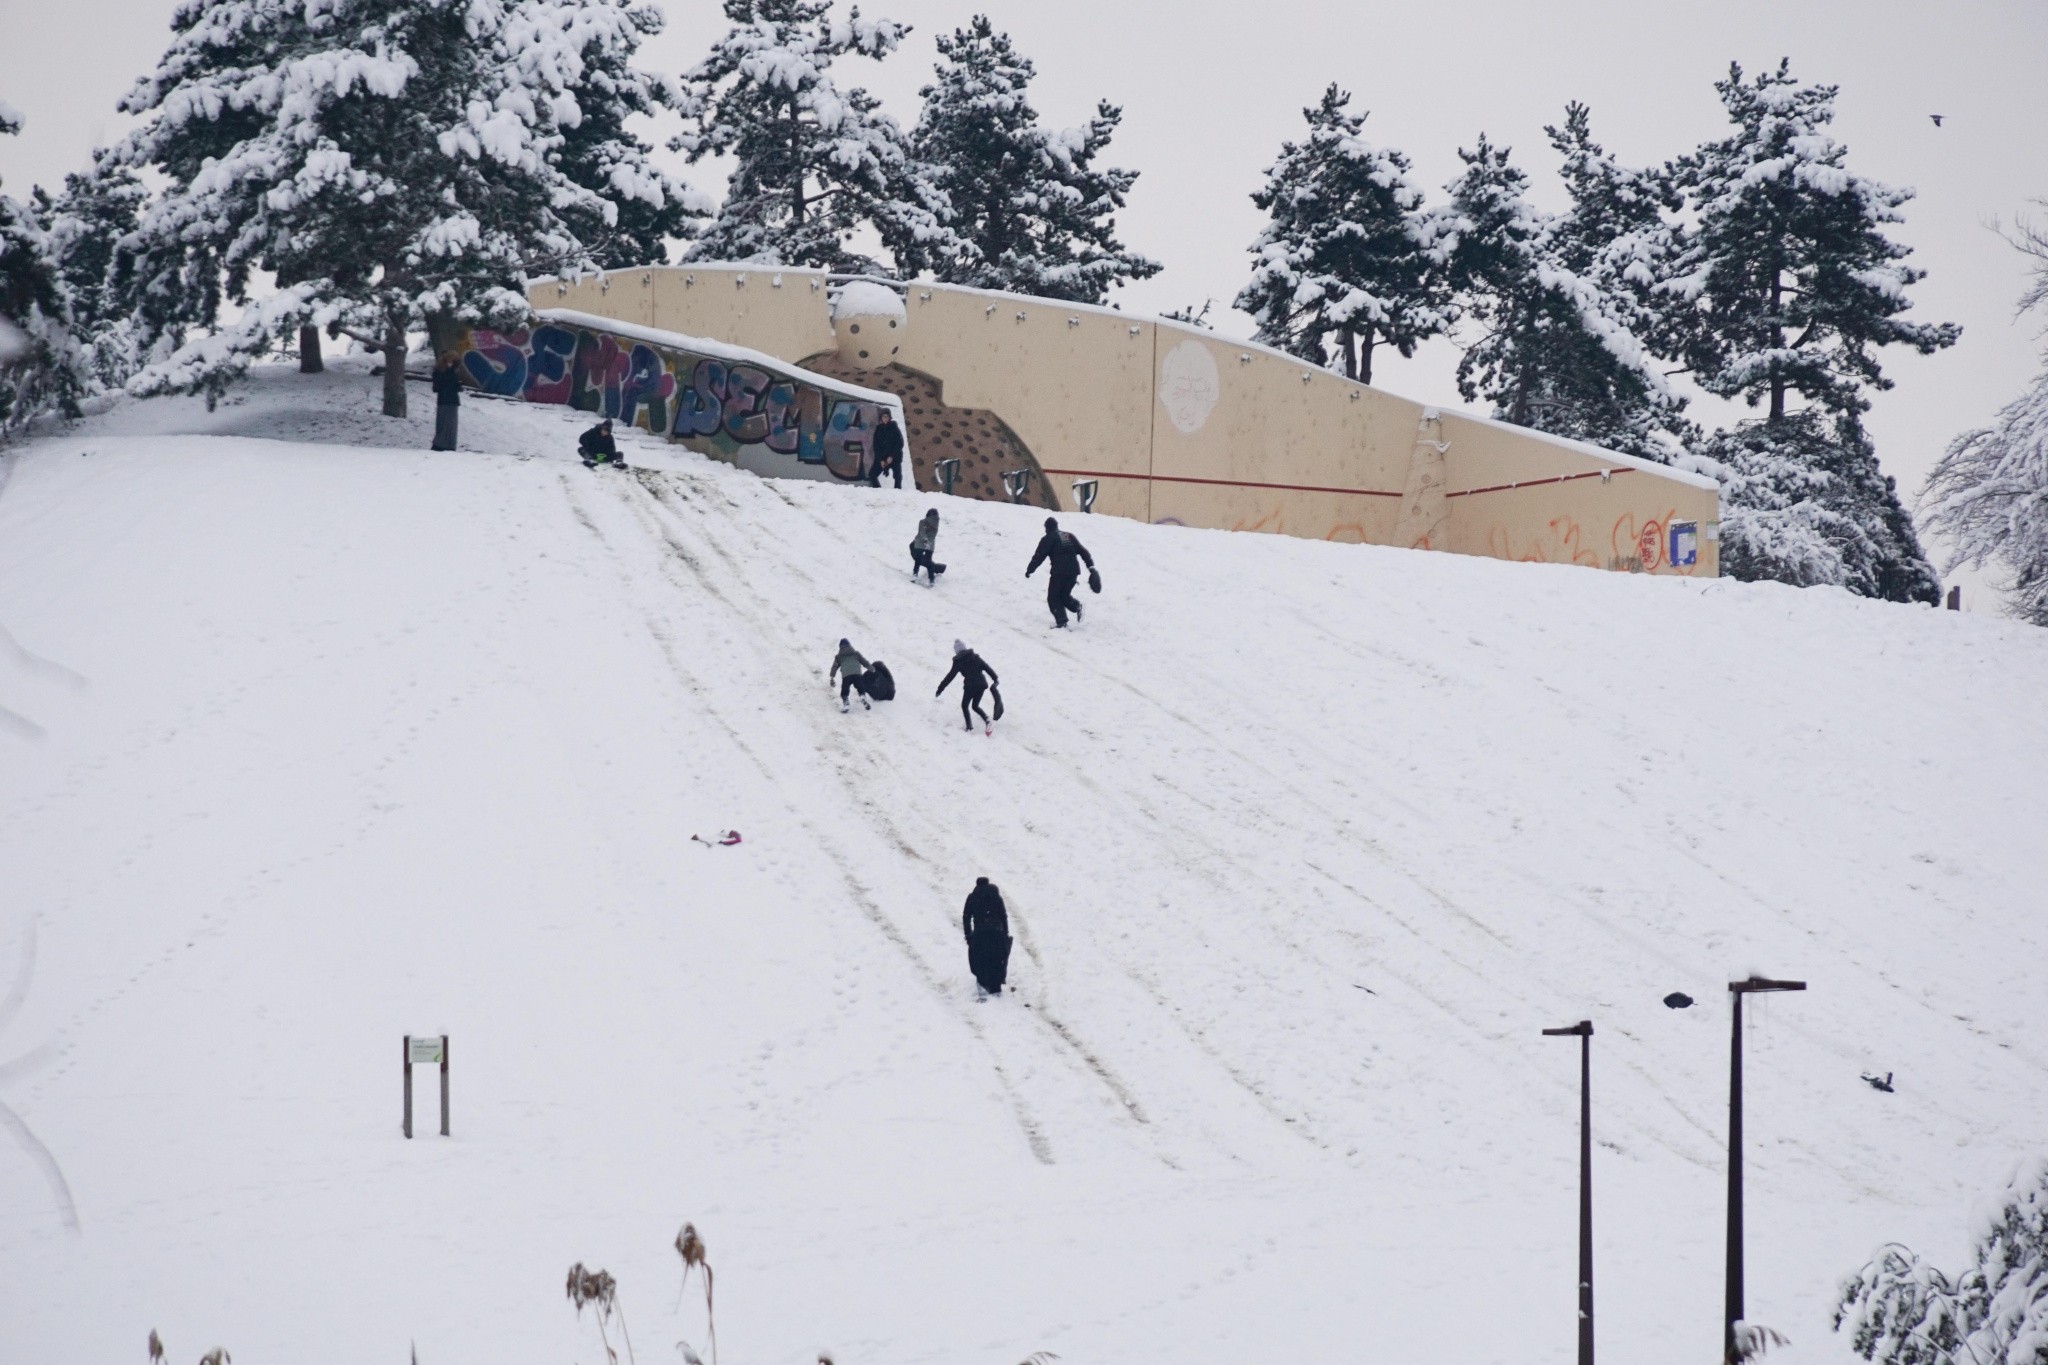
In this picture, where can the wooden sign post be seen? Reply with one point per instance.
(426, 1049)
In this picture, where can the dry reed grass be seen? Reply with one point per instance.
(598, 1291)
(690, 1247)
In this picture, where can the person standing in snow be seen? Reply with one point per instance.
(921, 546)
(987, 926)
(1067, 555)
(888, 451)
(597, 447)
(976, 678)
(851, 670)
(447, 402)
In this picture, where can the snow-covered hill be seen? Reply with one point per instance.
(309, 742)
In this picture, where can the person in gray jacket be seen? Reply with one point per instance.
(921, 547)
(850, 669)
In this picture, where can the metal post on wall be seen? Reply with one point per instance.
(406, 1048)
(1583, 1031)
(1734, 1303)
(1084, 493)
(946, 471)
(1017, 483)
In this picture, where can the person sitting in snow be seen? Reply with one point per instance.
(597, 446)
(976, 678)
(852, 671)
(986, 923)
(922, 545)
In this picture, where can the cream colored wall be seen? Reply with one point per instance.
(1280, 446)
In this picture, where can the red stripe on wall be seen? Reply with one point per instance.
(1312, 488)
(1225, 483)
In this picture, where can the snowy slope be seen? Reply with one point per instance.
(308, 742)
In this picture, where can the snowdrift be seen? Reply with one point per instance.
(312, 738)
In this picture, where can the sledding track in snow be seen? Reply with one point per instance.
(1303, 844)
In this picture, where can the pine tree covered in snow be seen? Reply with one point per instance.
(1342, 268)
(392, 163)
(1901, 1311)
(87, 223)
(601, 154)
(1028, 208)
(1786, 287)
(814, 163)
(1989, 494)
(1557, 347)
(41, 367)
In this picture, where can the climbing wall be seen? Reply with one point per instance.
(979, 439)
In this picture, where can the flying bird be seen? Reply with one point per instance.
(1937, 119)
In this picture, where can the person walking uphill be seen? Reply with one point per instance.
(851, 669)
(888, 441)
(447, 402)
(976, 678)
(921, 546)
(1066, 555)
(987, 926)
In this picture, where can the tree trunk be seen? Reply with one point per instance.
(394, 369)
(1365, 359)
(1777, 343)
(309, 350)
(1350, 354)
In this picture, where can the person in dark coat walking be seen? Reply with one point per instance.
(597, 446)
(1066, 555)
(921, 546)
(447, 402)
(976, 678)
(987, 926)
(888, 442)
(850, 667)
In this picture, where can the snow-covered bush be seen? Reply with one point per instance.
(42, 368)
(1804, 502)
(1901, 1311)
(1989, 494)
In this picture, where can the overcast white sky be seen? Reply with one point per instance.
(1210, 89)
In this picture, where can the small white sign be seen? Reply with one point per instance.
(424, 1051)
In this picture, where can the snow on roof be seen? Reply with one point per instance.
(719, 350)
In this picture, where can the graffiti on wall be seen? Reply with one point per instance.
(712, 404)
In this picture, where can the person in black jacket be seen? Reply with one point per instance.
(1067, 555)
(597, 446)
(987, 926)
(976, 678)
(447, 402)
(888, 451)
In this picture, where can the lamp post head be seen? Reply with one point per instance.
(1757, 984)
(1582, 1029)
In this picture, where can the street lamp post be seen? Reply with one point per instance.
(1734, 1312)
(1583, 1031)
